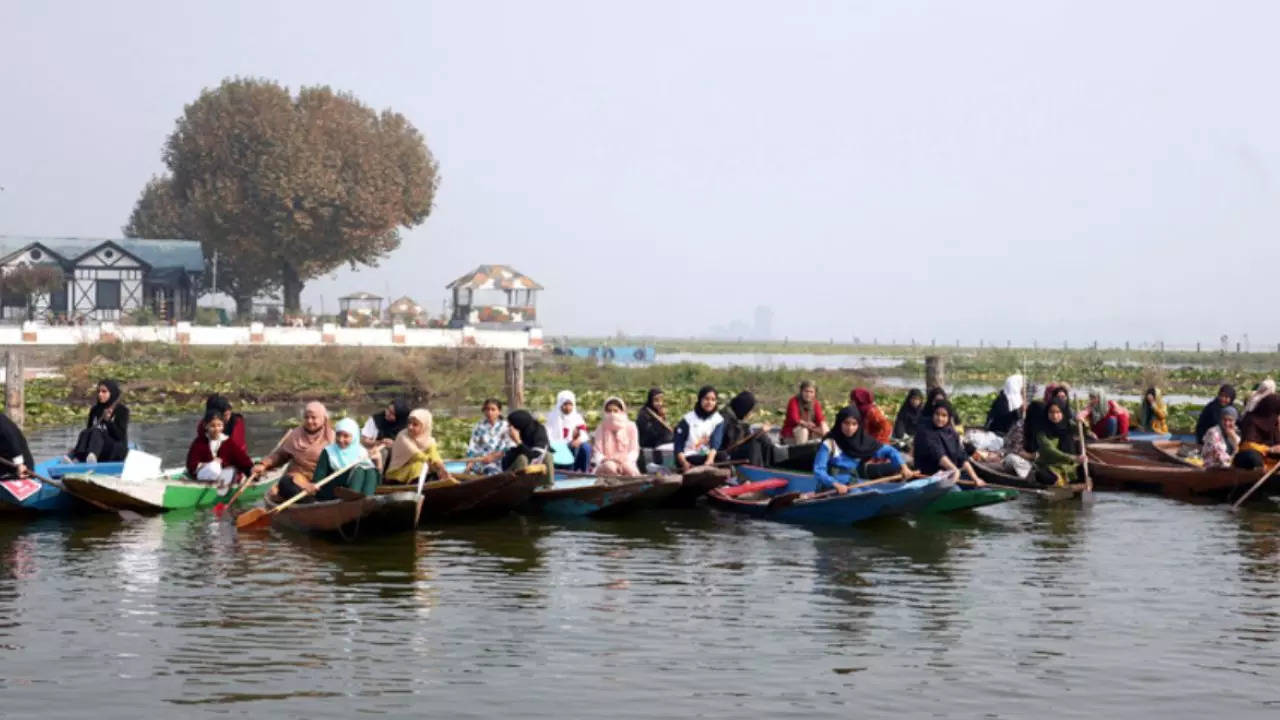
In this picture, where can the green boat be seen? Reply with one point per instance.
(957, 499)
(172, 489)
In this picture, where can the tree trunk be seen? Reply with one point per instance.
(292, 289)
(244, 306)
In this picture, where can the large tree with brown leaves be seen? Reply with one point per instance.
(288, 188)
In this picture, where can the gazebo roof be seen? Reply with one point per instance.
(404, 304)
(361, 296)
(494, 277)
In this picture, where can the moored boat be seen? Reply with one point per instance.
(993, 473)
(589, 495)
(695, 484)
(349, 518)
(1180, 482)
(474, 497)
(170, 490)
(31, 495)
(778, 499)
(958, 499)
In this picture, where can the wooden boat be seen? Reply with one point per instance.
(992, 473)
(32, 496)
(663, 487)
(595, 496)
(695, 484)
(775, 499)
(1179, 482)
(171, 490)
(475, 497)
(958, 499)
(349, 518)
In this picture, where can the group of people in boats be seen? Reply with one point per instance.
(396, 445)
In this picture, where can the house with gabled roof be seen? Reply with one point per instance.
(106, 278)
(494, 295)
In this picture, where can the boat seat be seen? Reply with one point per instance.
(754, 487)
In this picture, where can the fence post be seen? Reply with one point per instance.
(15, 384)
(935, 370)
(514, 375)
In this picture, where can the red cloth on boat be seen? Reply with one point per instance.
(793, 416)
(1122, 421)
(231, 455)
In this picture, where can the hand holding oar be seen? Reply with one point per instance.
(258, 517)
(1087, 495)
(1236, 506)
(222, 507)
(125, 514)
(789, 499)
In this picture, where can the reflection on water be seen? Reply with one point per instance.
(1135, 607)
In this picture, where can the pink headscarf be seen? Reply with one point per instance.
(303, 448)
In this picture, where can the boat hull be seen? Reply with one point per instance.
(860, 505)
(474, 497)
(695, 484)
(349, 519)
(171, 490)
(957, 499)
(1181, 483)
(48, 498)
(995, 474)
(588, 496)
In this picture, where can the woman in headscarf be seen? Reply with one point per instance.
(213, 456)
(740, 441)
(1007, 407)
(700, 432)
(529, 441)
(344, 452)
(849, 451)
(804, 421)
(566, 426)
(872, 419)
(616, 443)
(1222, 440)
(106, 435)
(1264, 389)
(937, 396)
(381, 429)
(232, 422)
(1212, 411)
(13, 447)
(300, 448)
(938, 446)
(654, 429)
(1107, 419)
(1057, 445)
(413, 449)
(490, 439)
(908, 419)
(1153, 415)
(1260, 434)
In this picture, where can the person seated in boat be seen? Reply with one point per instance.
(873, 419)
(699, 432)
(213, 456)
(1212, 411)
(1153, 415)
(232, 422)
(1106, 419)
(653, 427)
(14, 450)
(529, 441)
(908, 418)
(380, 430)
(1259, 435)
(938, 446)
(300, 448)
(616, 443)
(566, 426)
(848, 451)
(804, 420)
(1260, 392)
(344, 452)
(414, 448)
(1222, 440)
(1007, 408)
(932, 399)
(1058, 452)
(739, 441)
(490, 440)
(106, 435)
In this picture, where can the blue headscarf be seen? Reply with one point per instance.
(340, 457)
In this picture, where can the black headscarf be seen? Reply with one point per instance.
(742, 404)
(937, 396)
(908, 417)
(1259, 426)
(1034, 425)
(1064, 430)
(113, 396)
(388, 429)
(860, 445)
(651, 424)
(221, 405)
(648, 402)
(932, 443)
(532, 433)
(697, 404)
(113, 390)
(1212, 413)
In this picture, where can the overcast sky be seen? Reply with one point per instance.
(996, 170)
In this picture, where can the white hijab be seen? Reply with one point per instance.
(1268, 387)
(1013, 391)
(558, 423)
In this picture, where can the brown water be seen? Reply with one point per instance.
(1138, 607)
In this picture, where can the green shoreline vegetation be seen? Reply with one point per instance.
(161, 381)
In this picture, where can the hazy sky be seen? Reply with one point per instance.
(1083, 170)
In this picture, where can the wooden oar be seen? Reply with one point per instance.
(788, 499)
(125, 514)
(1052, 493)
(221, 507)
(1236, 506)
(422, 479)
(1087, 496)
(742, 442)
(261, 516)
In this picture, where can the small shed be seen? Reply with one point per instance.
(496, 294)
(360, 309)
(405, 310)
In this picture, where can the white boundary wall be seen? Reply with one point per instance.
(257, 334)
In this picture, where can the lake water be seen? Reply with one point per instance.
(1137, 607)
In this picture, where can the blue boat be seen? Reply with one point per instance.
(958, 499)
(624, 354)
(778, 498)
(35, 496)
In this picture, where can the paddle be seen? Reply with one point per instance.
(260, 517)
(788, 499)
(124, 514)
(1048, 493)
(422, 479)
(221, 507)
(1086, 496)
(1236, 506)
(743, 441)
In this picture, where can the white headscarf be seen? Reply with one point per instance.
(1013, 391)
(558, 423)
(1267, 387)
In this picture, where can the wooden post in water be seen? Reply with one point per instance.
(935, 370)
(15, 388)
(514, 375)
